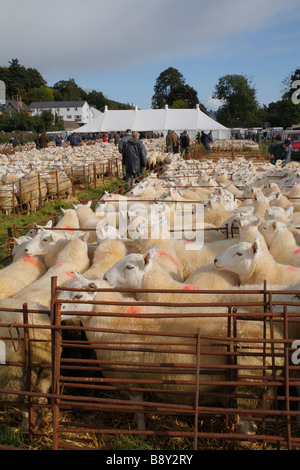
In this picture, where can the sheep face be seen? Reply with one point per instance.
(79, 282)
(239, 258)
(39, 244)
(129, 271)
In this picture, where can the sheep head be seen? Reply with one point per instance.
(128, 272)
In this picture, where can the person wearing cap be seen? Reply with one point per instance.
(280, 151)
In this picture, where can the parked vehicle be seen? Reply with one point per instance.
(294, 137)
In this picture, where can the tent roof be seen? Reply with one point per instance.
(152, 120)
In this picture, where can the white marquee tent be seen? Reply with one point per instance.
(156, 120)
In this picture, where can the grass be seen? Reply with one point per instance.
(50, 209)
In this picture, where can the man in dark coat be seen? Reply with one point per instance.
(280, 151)
(134, 157)
(121, 146)
(44, 141)
(185, 143)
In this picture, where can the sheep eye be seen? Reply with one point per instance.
(129, 267)
(239, 254)
(77, 297)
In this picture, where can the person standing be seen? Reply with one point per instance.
(175, 142)
(185, 143)
(44, 141)
(280, 151)
(58, 140)
(121, 145)
(134, 157)
(169, 142)
(74, 140)
(205, 142)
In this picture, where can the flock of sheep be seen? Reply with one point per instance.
(30, 176)
(91, 251)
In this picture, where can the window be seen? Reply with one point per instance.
(69, 116)
(68, 109)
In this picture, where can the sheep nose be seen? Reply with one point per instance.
(26, 250)
(215, 260)
(104, 278)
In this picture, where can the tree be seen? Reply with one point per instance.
(286, 112)
(170, 87)
(69, 90)
(240, 108)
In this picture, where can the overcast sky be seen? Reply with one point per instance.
(120, 47)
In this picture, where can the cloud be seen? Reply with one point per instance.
(95, 36)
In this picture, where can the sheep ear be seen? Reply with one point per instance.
(62, 210)
(150, 254)
(255, 245)
(89, 204)
(79, 276)
(274, 225)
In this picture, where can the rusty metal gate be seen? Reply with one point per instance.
(196, 376)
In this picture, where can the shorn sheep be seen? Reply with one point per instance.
(112, 329)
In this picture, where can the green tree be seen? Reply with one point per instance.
(286, 111)
(69, 90)
(240, 108)
(42, 93)
(165, 84)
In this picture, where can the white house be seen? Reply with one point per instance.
(72, 113)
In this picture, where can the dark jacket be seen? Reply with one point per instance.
(185, 141)
(74, 140)
(134, 156)
(205, 139)
(44, 140)
(276, 149)
(123, 141)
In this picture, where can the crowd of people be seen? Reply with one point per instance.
(181, 143)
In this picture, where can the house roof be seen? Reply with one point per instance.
(57, 104)
(16, 104)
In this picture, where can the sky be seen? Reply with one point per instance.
(120, 47)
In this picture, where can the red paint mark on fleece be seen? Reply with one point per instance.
(30, 259)
(191, 287)
(297, 251)
(292, 269)
(59, 265)
(68, 227)
(70, 274)
(162, 253)
(133, 309)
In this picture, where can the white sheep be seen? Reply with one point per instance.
(12, 373)
(112, 329)
(48, 244)
(253, 264)
(281, 242)
(69, 220)
(23, 271)
(107, 253)
(72, 257)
